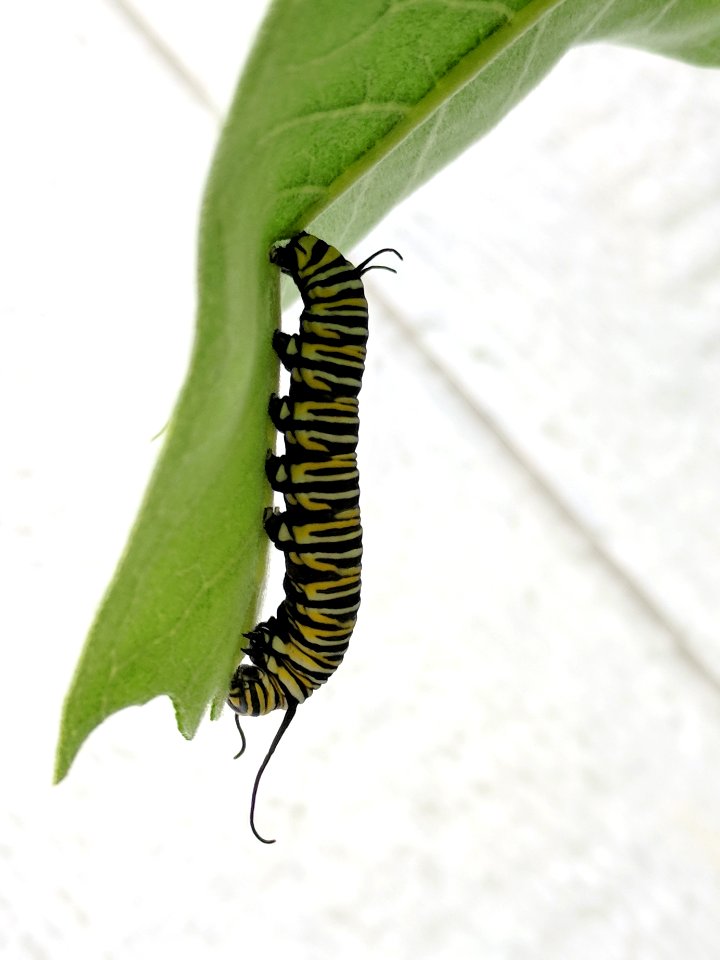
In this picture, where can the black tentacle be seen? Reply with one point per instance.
(287, 720)
(242, 737)
(363, 267)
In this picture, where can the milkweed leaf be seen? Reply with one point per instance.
(342, 110)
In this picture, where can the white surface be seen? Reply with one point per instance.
(517, 759)
(583, 318)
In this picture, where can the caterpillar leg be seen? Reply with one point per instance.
(258, 646)
(280, 411)
(274, 521)
(287, 347)
(268, 514)
(276, 472)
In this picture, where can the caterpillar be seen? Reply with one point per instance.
(319, 532)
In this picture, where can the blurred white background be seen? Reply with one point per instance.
(519, 758)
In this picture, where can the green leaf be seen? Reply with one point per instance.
(343, 109)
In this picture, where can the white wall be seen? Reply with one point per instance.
(520, 756)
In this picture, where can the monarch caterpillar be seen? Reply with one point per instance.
(298, 649)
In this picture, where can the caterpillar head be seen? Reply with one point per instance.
(254, 692)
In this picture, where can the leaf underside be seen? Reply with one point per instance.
(343, 110)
